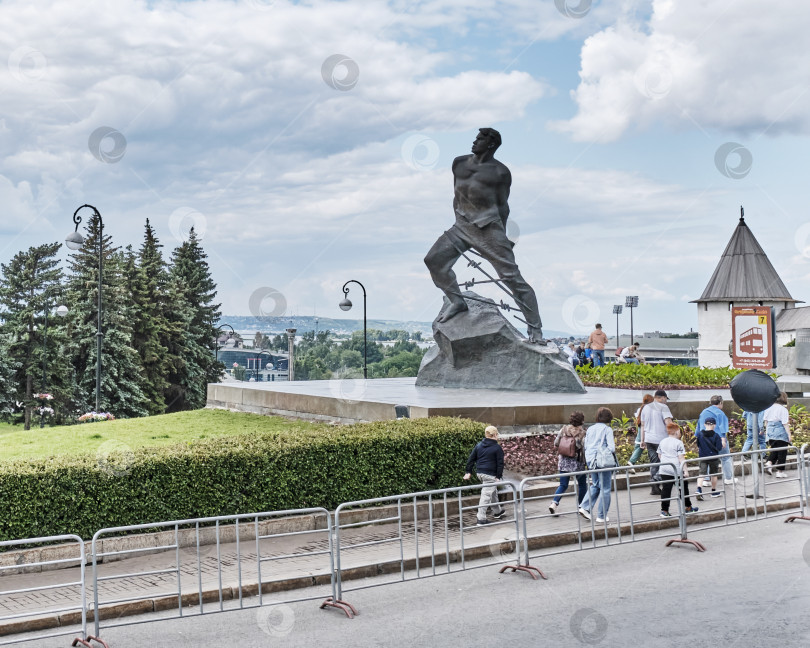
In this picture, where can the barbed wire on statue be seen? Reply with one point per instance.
(490, 279)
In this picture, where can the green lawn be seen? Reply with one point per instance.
(164, 430)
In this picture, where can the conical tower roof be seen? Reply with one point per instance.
(744, 272)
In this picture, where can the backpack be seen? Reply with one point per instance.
(567, 446)
(619, 351)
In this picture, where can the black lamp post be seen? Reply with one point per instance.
(75, 241)
(631, 302)
(617, 310)
(257, 357)
(345, 305)
(219, 328)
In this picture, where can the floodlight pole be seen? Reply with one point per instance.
(631, 302)
(618, 311)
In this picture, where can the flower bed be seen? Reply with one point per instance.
(92, 417)
(632, 376)
(536, 455)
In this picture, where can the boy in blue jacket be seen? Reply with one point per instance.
(709, 446)
(487, 458)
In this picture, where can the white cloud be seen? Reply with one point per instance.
(735, 64)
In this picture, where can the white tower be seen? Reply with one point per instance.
(744, 277)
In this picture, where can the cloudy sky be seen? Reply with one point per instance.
(311, 142)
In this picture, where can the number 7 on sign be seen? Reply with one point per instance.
(763, 319)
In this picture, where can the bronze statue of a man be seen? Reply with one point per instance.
(481, 184)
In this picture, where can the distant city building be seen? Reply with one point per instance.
(743, 277)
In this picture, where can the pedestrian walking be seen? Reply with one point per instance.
(600, 452)
(709, 447)
(753, 421)
(597, 340)
(715, 411)
(673, 457)
(777, 430)
(637, 450)
(654, 419)
(487, 460)
(570, 444)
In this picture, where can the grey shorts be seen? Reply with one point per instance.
(709, 466)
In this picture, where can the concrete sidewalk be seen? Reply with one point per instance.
(221, 576)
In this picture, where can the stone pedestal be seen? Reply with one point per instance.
(480, 349)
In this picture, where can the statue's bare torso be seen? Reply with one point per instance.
(481, 190)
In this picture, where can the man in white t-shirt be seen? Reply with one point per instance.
(654, 419)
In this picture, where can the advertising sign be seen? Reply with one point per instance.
(753, 337)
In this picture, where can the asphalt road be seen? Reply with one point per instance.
(751, 588)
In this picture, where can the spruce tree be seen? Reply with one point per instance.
(30, 290)
(150, 326)
(122, 379)
(8, 385)
(192, 280)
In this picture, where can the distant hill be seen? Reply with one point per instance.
(249, 324)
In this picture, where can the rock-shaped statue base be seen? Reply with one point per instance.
(480, 349)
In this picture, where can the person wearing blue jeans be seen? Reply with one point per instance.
(753, 421)
(597, 339)
(574, 435)
(715, 411)
(598, 436)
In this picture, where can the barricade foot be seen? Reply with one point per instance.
(525, 568)
(348, 608)
(86, 642)
(797, 517)
(697, 545)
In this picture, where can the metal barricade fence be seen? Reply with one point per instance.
(803, 465)
(422, 532)
(753, 494)
(210, 564)
(546, 529)
(68, 595)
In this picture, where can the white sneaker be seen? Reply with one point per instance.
(584, 513)
(552, 508)
(728, 482)
(780, 474)
(768, 468)
(632, 471)
(601, 521)
(707, 482)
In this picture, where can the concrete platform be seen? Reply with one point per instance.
(355, 400)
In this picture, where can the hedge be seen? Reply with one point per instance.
(229, 475)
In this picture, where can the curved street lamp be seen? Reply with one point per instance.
(345, 305)
(75, 241)
(216, 343)
(257, 357)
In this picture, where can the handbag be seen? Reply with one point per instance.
(604, 455)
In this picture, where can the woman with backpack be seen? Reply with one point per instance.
(569, 444)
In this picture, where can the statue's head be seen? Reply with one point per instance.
(492, 137)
